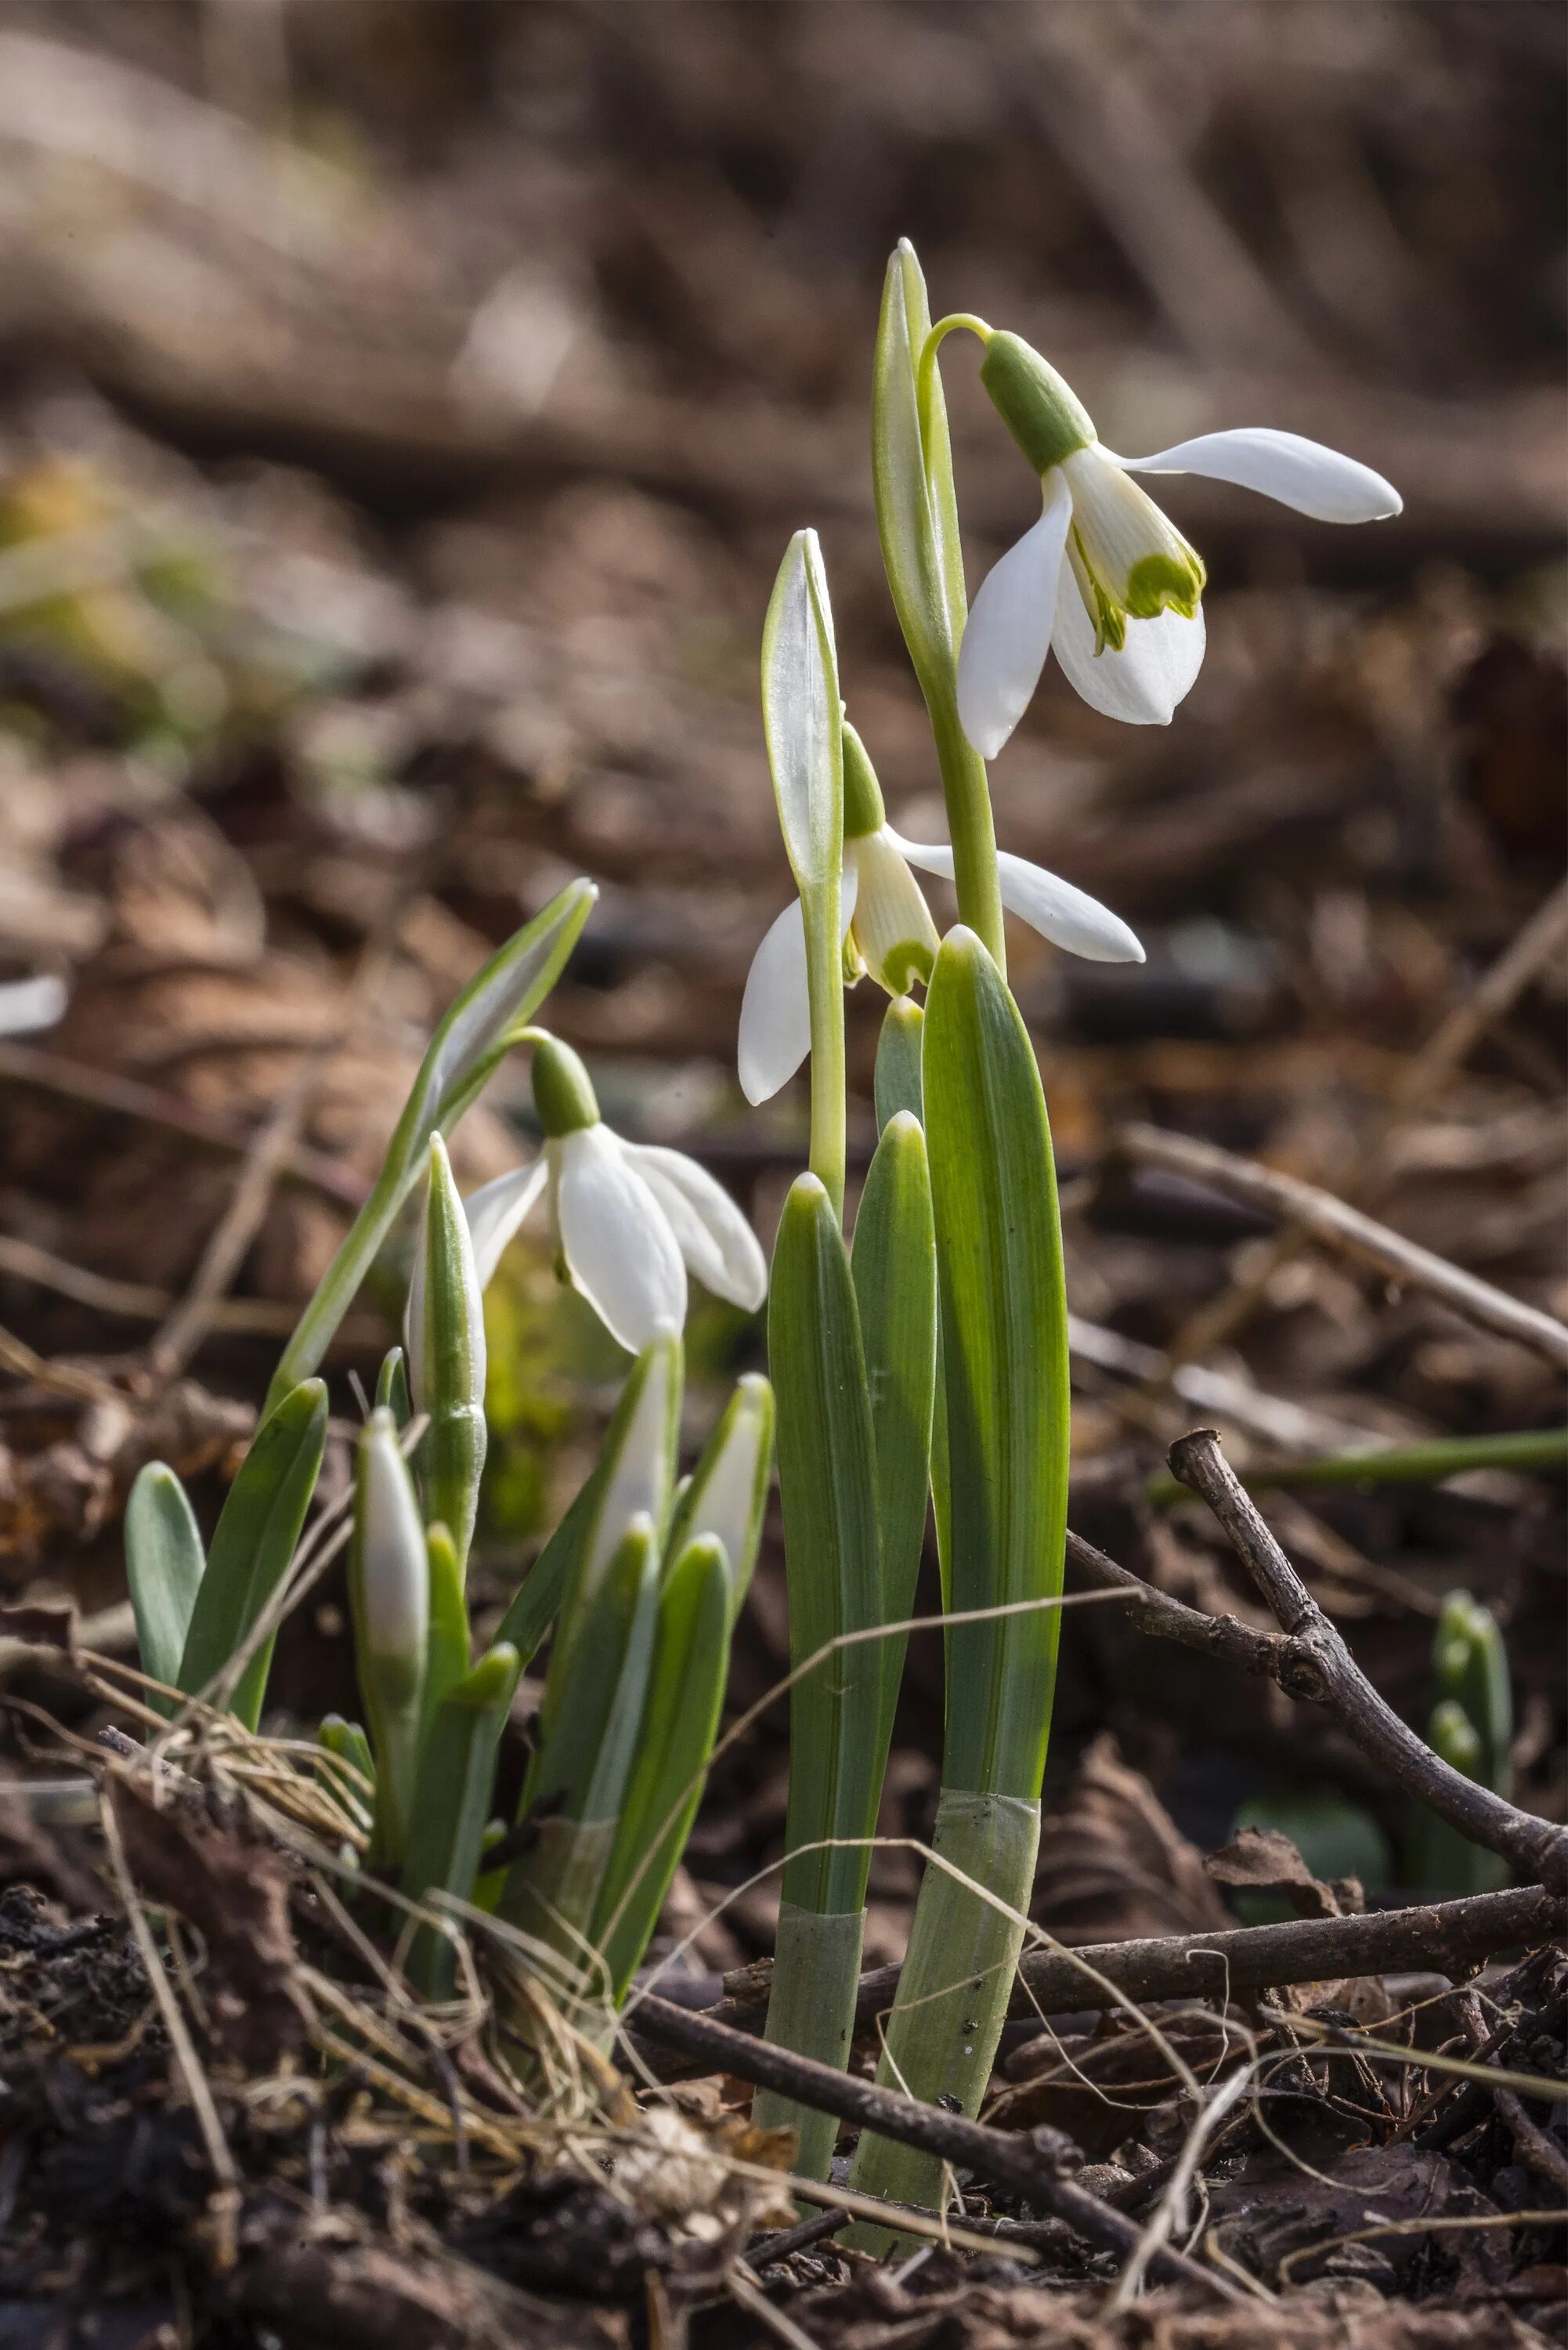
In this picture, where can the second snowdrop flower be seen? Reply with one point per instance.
(628, 1219)
(1104, 579)
(889, 931)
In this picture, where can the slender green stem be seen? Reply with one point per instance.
(1399, 1464)
(925, 367)
(969, 825)
(828, 1130)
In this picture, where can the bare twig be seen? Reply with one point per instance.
(1445, 1936)
(136, 1301)
(1032, 2164)
(1317, 1666)
(1323, 1217)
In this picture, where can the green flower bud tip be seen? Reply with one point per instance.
(1044, 415)
(562, 1092)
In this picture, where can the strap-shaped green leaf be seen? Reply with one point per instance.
(253, 1542)
(452, 1804)
(827, 1484)
(1005, 1345)
(680, 1723)
(461, 1056)
(635, 1477)
(538, 1597)
(584, 1750)
(448, 1652)
(894, 1262)
(727, 1493)
(897, 1078)
(163, 1564)
(347, 1742)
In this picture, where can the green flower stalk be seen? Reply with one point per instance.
(468, 1047)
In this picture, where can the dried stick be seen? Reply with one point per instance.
(1444, 1936)
(1322, 1217)
(1315, 1665)
(1034, 2164)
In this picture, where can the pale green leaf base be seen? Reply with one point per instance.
(816, 1973)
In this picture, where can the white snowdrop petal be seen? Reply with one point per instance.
(1143, 683)
(1008, 633)
(717, 1243)
(496, 1212)
(775, 1010)
(776, 1014)
(1301, 474)
(619, 1250)
(1069, 918)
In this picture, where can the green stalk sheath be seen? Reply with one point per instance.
(955, 1986)
(811, 2012)
(448, 1648)
(1004, 1348)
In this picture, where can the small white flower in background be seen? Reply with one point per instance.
(1103, 579)
(889, 931)
(627, 1218)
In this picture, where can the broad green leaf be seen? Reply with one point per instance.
(727, 1493)
(1004, 1351)
(163, 1563)
(680, 1723)
(452, 1804)
(828, 1488)
(255, 1539)
(574, 1791)
(538, 1598)
(894, 1262)
(634, 1476)
(448, 1652)
(463, 1054)
(582, 1743)
(897, 1079)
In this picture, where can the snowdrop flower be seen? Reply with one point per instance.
(889, 931)
(628, 1218)
(1103, 579)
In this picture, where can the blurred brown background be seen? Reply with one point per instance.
(403, 405)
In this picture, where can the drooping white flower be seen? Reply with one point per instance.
(628, 1219)
(889, 931)
(1104, 579)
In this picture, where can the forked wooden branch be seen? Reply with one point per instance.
(1034, 2164)
(1313, 1663)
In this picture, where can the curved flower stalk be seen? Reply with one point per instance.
(1104, 579)
(889, 931)
(628, 1219)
